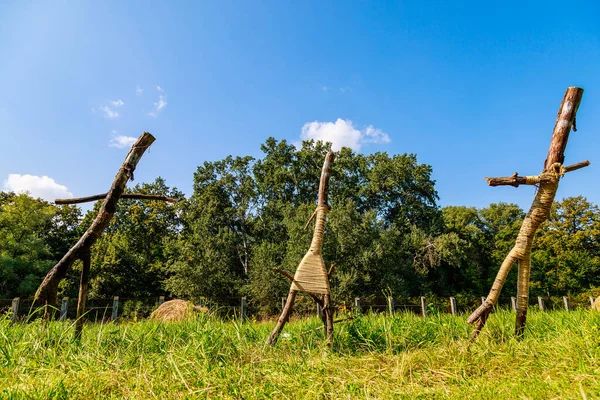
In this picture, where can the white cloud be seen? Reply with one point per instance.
(342, 133)
(159, 105)
(324, 89)
(117, 103)
(121, 142)
(37, 186)
(139, 90)
(159, 89)
(109, 113)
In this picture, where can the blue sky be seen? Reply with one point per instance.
(471, 88)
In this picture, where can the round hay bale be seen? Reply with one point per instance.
(175, 310)
(596, 305)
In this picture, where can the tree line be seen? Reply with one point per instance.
(385, 234)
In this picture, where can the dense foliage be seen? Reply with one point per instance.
(385, 233)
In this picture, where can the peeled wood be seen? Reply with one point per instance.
(47, 291)
(538, 213)
(134, 196)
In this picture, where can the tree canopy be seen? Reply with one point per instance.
(246, 215)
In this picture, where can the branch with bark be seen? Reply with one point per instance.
(133, 196)
(539, 211)
(47, 291)
(516, 180)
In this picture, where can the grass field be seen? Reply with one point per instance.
(375, 356)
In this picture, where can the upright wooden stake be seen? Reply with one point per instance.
(83, 291)
(567, 303)
(453, 306)
(14, 308)
(115, 309)
(64, 308)
(538, 213)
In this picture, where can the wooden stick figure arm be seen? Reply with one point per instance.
(516, 180)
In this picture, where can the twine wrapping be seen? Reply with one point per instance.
(311, 275)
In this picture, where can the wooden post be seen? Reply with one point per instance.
(453, 306)
(115, 308)
(357, 305)
(83, 291)
(161, 299)
(15, 308)
(64, 308)
(319, 311)
(567, 304)
(591, 302)
(283, 301)
(513, 303)
(541, 303)
(243, 309)
(391, 306)
(47, 291)
(423, 307)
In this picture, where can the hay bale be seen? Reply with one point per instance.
(175, 310)
(596, 305)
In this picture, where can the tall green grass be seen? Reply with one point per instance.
(375, 356)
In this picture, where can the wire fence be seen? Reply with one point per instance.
(138, 308)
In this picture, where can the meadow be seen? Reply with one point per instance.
(375, 356)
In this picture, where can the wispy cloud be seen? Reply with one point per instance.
(109, 113)
(324, 89)
(117, 103)
(342, 133)
(121, 142)
(160, 104)
(37, 186)
(139, 90)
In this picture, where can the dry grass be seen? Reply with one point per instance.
(175, 310)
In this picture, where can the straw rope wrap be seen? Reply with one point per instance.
(521, 252)
(311, 275)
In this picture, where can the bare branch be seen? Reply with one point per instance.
(135, 196)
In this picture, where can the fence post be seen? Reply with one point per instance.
(541, 303)
(243, 309)
(453, 306)
(161, 299)
(482, 300)
(357, 305)
(115, 308)
(391, 304)
(64, 307)
(423, 307)
(319, 311)
(15, 308)
(283, 302)
(513, 303)
(566, 301)
(591, 302)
